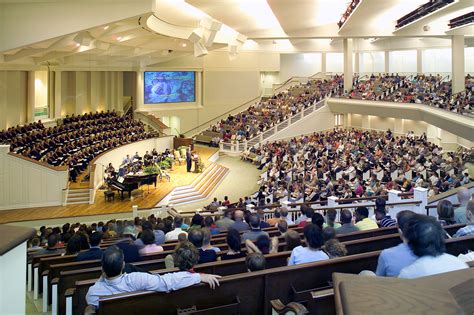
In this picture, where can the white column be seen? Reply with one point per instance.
(323, 62)
(433, 134)
(348, 72)
(107, 102)
(119, 90)
(51, 104)
(356, 62)
(421, 194)
(94, 90)
(57, 93)
(30, 112)
(399, 126)
(81, 92)
(386, 61)
(419, 61)
(139, 90)
(457, 50)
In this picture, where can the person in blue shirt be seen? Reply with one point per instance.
(314, 240)
(114, 281)
(393, 260)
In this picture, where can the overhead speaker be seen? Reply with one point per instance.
(195, 36)
(199, 50)
(210, 29)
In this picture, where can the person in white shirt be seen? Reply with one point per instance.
(173, 235)
(425, 238)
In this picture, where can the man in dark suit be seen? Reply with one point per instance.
(94, 252)
(189, 160)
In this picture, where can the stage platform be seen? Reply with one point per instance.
(144, 198)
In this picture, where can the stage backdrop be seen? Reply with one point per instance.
(169, 87)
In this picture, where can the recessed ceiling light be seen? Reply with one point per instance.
(77, 44)
(119, 38)
(184, 44)
(106, 27)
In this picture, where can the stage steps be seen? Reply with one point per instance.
(199, 189)
(77, 196)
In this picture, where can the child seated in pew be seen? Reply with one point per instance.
(255, 262)
(114, 281)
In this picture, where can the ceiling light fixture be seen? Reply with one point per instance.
(184, 45)
(106, 27)
(119, 38)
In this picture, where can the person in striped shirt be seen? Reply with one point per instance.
(383, 219)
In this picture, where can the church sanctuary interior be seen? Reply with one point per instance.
(236, 157)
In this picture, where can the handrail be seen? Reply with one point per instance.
(449, 193)
(40, 163)
(221, 115)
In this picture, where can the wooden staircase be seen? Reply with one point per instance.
(199, 189)
(77, 196)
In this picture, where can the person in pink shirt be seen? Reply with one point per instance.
(148, 239)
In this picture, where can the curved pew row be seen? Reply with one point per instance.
(266, 285)
(76, 296)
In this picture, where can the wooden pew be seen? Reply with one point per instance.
(360, 235)
(321, 301)
(237, 265)
(273, 283)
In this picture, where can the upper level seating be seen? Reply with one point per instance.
(6, 136)
(420, 89)
(78, 140)
(356, 163)
(267, 113)
(423, 10)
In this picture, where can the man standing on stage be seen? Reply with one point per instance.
(189, 160)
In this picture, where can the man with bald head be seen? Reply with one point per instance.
(464, 195)
(239, 224)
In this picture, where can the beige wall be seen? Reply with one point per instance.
(225, 85)
(13, 98)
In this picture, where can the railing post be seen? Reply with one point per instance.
(421, 194)
(275, 129)
(135, 211)
(289, 122)
(302, 112)
(393, 196)
(245, 145)
(221, 145)
(250, 207)
(261, 137)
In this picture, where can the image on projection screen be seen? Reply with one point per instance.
(169, 87)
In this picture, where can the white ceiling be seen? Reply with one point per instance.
(270, 25)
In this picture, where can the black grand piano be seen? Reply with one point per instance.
(129, 183)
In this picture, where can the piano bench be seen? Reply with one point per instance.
(109, 195)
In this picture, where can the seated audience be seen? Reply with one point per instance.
(346, 223)
(333, 248)
(209, 223)
(393, 260)
(255, 230)
(226, 222)
(464, 195)
(52, 248)
(173, 235)
(331, 215)
(74, 245)
(383, 219)
(239, 223)
(129, 249)
(469, 228)
(282, 227)
(362, 219)
(234, 242)
(292, 240)
(206, 241)
(94, 252)
(114, 281)
(273, 221)
(445, 211)
(197, 222)
(284, 216)
(426, 239)
(196, 237)
(318, 220)
(149, 245)
(314, 240)
(255, 262)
